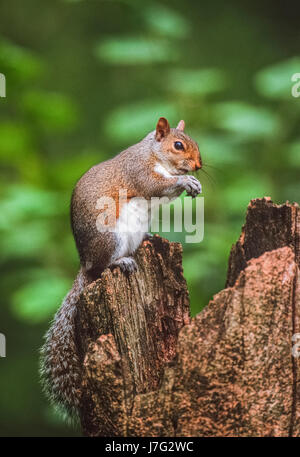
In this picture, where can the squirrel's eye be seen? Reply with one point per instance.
(178, 145)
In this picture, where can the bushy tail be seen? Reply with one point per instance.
(60, 366)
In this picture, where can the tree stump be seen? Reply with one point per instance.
(129, 327)
(149, 370)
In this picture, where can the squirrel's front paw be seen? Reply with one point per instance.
(191, 185)
(126, 264)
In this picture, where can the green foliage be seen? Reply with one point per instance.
(15, 139)
(50, 111)
(198, 82)
(275, 81)
(293, 154)
(246, 121)
(134, 51)
(134, 118)
(87, 79)
(19, 62)
(165, 21)
(37, 300)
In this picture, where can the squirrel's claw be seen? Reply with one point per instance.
(192, 186)
(126, 264)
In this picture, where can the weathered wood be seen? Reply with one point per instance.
(150, 371)
(128, 331)
(267, 227)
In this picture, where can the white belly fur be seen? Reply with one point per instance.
(133, 223)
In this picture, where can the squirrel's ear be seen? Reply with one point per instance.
(162, 128)
(181, 125)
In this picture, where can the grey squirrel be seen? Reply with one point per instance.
(154, 167)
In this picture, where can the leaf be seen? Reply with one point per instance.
(219, 149)
(246, 121)
(21, 63)
(38, 300)
(22, 203)
(293, 154)
(135, 51)
(275, 81)
(28, 239)
(243, 189)
(52, 111)
(66, 172)
(165, 21)
(197, 82)
(16, 142)
(136, 120)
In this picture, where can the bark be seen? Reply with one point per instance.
(151, 371)
(129, 327)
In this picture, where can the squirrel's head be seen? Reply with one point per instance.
(176, 149)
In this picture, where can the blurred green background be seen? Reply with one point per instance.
(85, 79)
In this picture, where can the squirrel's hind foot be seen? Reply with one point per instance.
(126, 264)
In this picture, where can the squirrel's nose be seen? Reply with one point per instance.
(197, 165)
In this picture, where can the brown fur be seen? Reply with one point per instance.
(132, 169)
